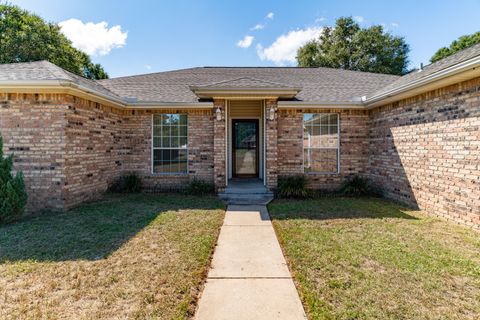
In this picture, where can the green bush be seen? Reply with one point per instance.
(293, 187)
(130, 183)
(358, 186)
(13, 196)
(200, 187)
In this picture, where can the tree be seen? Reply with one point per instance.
(13, 196)
(26, 37)
(461, 43)
(95, 71)
(348, 46)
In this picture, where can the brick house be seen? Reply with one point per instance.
(416, 136)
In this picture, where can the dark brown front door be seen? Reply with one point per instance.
(245, 148)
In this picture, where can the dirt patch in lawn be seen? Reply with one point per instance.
(138, 256)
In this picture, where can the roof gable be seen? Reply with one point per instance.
(246, 87)
(246, 82)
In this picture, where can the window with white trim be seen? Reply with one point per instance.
(169, 143)
(321, 140)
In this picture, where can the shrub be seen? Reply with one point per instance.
(358, 186)
(130, 183)
(13, 196)
(293, 187)
(200, 187)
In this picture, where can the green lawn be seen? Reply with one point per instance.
(127, 256)
(371, 259)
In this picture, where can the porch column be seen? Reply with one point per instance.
(219, 156)
(271, 128)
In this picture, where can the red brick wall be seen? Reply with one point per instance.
(94, 149)
(271, 146)
(290, 142)
(72, 149)
(353, 146)
(32, 126)
(201, 144)
(425, 151)
(137, 132)
(219, 147)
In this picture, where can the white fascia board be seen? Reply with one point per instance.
(464, 66)
(320, 105)
(267, 92)
(170, 105)
(64, 86)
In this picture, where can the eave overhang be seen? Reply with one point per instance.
(69, 87)
(60, 87)
(231, 93)
(321, 105)
(459, 72)
(169, 105)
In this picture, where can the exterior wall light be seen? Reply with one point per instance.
(271, 114)
(218, 114)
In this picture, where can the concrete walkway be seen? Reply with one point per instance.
(249, 278)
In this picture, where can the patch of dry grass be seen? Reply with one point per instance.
(136, 257)
(371, 259)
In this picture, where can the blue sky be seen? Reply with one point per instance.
(164, 35)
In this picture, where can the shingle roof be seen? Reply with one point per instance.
(39, 70)
(44, 70)
(317, 84)
(444, 63)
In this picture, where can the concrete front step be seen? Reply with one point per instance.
(245, 192)
(259, 190)
(247, 198)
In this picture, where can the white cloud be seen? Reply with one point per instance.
(321, 19)
(148, 67)
(359, 19)
(257, 27)
(260, 26)
(395, 25)
(93, 38)
(284, 49)
(246, 42)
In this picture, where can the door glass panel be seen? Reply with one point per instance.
(245, 146)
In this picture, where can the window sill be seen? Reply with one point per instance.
(322, 173)
(167, 174)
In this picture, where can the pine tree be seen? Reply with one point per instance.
(13, 196)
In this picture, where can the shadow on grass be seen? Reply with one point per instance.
(91, 231)
(337, 208)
